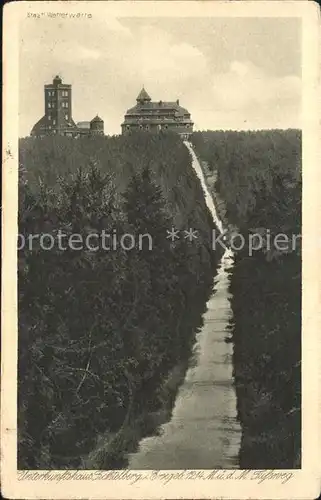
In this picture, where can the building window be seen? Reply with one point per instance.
(54, 131)
(49, 127)
(140, 126)
(49, 104)
(67, 105)
(66, 117)
(49, 117)
(54, 122)
(128, 127)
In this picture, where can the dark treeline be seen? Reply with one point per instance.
(258, 175)
(104, 335)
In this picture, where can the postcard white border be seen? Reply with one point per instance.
(304, 483)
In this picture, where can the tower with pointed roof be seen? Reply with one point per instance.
(157, 116)
(97, 126)
(143, 97)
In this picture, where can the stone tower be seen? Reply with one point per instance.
(97, 126)
(58, 104)
(58, 113)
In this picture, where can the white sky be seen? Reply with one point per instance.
(229, 73)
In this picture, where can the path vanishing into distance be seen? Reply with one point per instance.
(203, 432)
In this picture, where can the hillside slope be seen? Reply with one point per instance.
(258, 177)
(104, 335)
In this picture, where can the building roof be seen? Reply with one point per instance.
(156, 108)
(97, 119)
(43, 125)
(83, 125)
(39, 125)
(143, 96)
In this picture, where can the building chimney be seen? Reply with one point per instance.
(160, 103)
(177, 102)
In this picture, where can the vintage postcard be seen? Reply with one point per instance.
(161, 250)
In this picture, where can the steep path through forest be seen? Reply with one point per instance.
(203, 431)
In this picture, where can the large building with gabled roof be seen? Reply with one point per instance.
(156, 116)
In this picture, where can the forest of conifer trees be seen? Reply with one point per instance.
(258, 189)
(104, 337)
